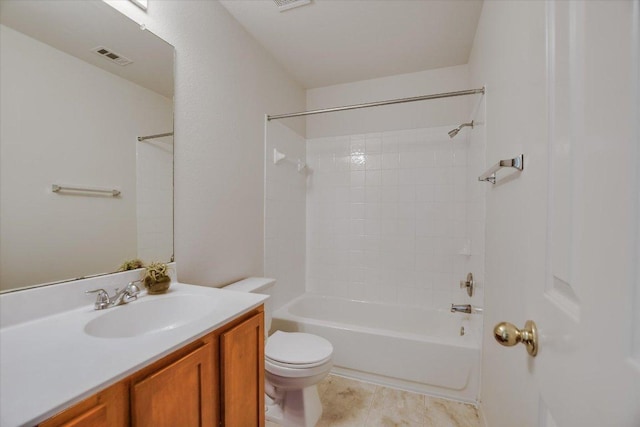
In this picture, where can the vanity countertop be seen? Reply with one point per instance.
(49, 363)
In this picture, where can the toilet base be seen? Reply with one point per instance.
(298, 408)
(274, 412)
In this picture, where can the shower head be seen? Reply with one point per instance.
(454, 132)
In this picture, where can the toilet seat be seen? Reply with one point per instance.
(298, 365)
(297, 348)
(292, 372)
(297, 354)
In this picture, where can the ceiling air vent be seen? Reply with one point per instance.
(290, 4)
(111, 55)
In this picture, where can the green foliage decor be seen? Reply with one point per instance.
(131, 264)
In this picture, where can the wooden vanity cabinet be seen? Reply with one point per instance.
(216, 380)
(178, 394)
(110, 407)
(242, 373)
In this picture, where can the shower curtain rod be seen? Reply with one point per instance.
(378, 103)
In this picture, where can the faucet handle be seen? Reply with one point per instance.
(102, 299)
(132, 288)
(131, 291)
(101, 293)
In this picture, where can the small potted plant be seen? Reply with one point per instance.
(156, 278)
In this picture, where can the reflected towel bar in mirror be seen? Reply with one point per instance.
(490, 175)
(159, 135)
(57, 188)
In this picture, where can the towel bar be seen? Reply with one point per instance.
(490, 175)
(57, 188)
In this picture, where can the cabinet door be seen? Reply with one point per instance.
(242, 372)
(109, 408)
(180, 394)
(94, 417)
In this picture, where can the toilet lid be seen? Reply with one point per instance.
(297, 348)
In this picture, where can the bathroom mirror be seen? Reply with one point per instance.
(79, 83)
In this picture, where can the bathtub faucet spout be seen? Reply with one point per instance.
(461, 308)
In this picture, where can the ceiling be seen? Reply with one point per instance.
(337, 41)
(76, 27)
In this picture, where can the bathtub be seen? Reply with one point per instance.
(405, 347)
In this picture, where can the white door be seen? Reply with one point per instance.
(588, 370)
(577, 225)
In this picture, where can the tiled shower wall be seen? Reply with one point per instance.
(387, 217)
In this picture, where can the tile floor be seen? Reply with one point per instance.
(352, 403)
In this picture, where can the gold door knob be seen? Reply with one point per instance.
(509, 335)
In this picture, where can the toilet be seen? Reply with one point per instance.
(294, 363)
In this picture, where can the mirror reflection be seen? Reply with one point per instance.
(79, 83)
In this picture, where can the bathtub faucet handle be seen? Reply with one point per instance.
(468, 284)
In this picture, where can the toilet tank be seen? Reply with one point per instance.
(257, 285)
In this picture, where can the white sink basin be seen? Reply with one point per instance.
(150, 314)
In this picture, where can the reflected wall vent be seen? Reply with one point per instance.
(290, 4)
(111, 55)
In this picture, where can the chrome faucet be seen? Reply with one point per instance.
(461, 308)
(128, 294)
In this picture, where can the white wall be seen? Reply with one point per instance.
(421, 114)
(285, 213)
(225, 83)
(41, 143)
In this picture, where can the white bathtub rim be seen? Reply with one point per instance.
(376, 331)
(283, 313)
